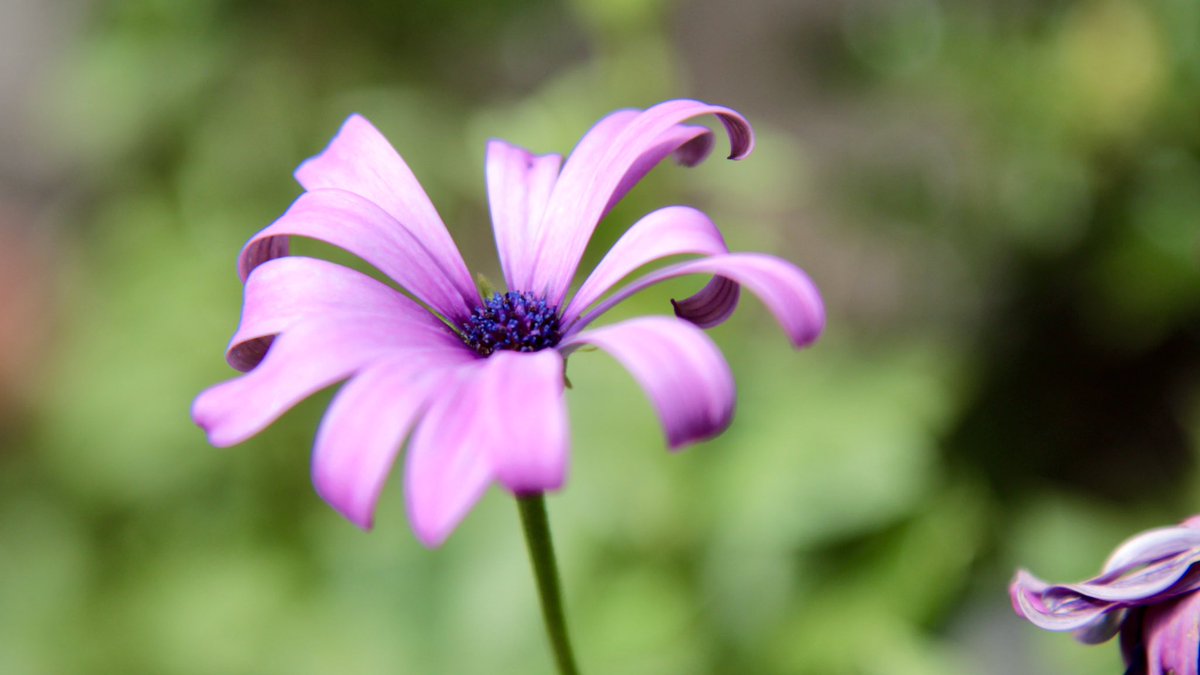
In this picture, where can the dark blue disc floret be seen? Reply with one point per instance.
(521, 322)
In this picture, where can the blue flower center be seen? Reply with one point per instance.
(521, 322)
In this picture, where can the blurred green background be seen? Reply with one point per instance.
(999, 200)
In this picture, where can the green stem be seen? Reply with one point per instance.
(541, 554)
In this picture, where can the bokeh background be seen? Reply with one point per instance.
(999, 200)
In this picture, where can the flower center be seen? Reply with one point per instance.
(522, 322)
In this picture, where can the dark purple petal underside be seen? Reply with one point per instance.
(712, 305)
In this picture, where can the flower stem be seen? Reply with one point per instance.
(541, 554)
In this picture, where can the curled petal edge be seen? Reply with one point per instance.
(359, 226)
(667, 232)
(592, 182)
(284, 292)
(785, 289)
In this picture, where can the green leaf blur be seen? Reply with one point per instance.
(999, 200)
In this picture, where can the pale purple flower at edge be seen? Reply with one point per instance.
(476, 384)
(1146, 591)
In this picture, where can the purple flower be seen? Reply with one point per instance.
(476, 384)
(1145, 592)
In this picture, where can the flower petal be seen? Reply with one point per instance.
(1143, 584)
(689, 144)
(674, 230)
(281, 293)
(1102, 629)
(609, 160)
(1133, 647)
(1066, 614)
(784, 288)
(446, 471)
(1153, 545)
(528, 437)
(356, 224)
(682, 371)
(360, 160)
(711, 305)
(505, 418)
(306, 358)
(1172, 634)
(365, 426)
(518, 185)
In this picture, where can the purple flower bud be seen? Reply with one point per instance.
(1145, 592)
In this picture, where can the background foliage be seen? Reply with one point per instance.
(998, 199)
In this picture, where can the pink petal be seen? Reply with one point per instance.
(356, 224)
(1152, 545)
(591, 148)
(519, 185)
(1025, 583)
(446, 471)
(504, 418)
(674, 230)
(360, 160)
(281, 293)
(1171, 632)
(1142, 583)
(365, 425)
(690, 145)
(1076, 613)
(529, 419)
(306, 358)
(609, 160)
(784, 288)
(682, 371)
(1144, 574)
